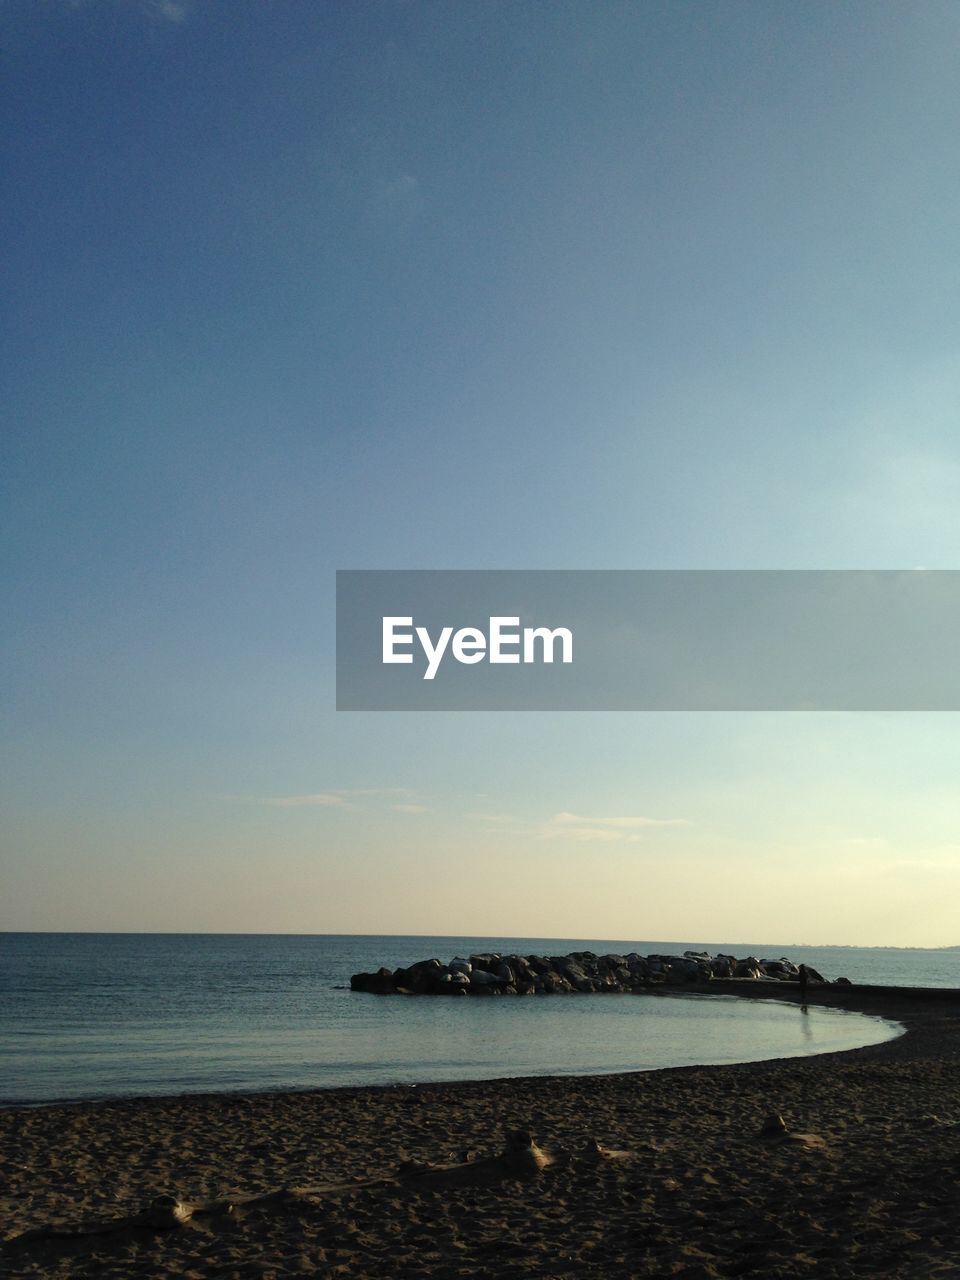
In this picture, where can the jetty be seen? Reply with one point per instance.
(583, 972)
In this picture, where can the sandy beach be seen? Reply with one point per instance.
(660, 1174)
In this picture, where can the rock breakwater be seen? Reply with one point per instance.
(490, 974)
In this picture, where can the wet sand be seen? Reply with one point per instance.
(657, 1174)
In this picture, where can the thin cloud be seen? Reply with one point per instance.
(600, 835)
(374, 791)
(627, 829)
(410, 808)
(340, 798)
(321, 799)
(625, 824)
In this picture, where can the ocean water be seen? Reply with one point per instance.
(105, 1015)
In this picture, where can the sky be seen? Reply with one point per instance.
(302, 287)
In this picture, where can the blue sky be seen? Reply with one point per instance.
(302, 287)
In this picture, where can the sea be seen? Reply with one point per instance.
(87, 1016)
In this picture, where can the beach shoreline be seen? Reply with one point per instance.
(863, 1182)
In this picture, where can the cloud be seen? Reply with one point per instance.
(322, 799)
(614, 830)
(601, 835)
(626, 824)
(375, 791)
(343, 798)
(574, 826)
(623, 829)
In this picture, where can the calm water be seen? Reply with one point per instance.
(97, 1015)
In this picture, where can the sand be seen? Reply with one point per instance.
(678, 1173)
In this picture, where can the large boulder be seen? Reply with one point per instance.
(454, 984)
(380, 983)
(683, 969)
(522, 967)
(484, 978)
(553, 983)
(422, 978)
(575, 974)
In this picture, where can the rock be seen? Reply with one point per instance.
(489, 973)
(680, 969)
(454, 983)
(380, 983)
(421, 978)
(483, 978)
(574, 973)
